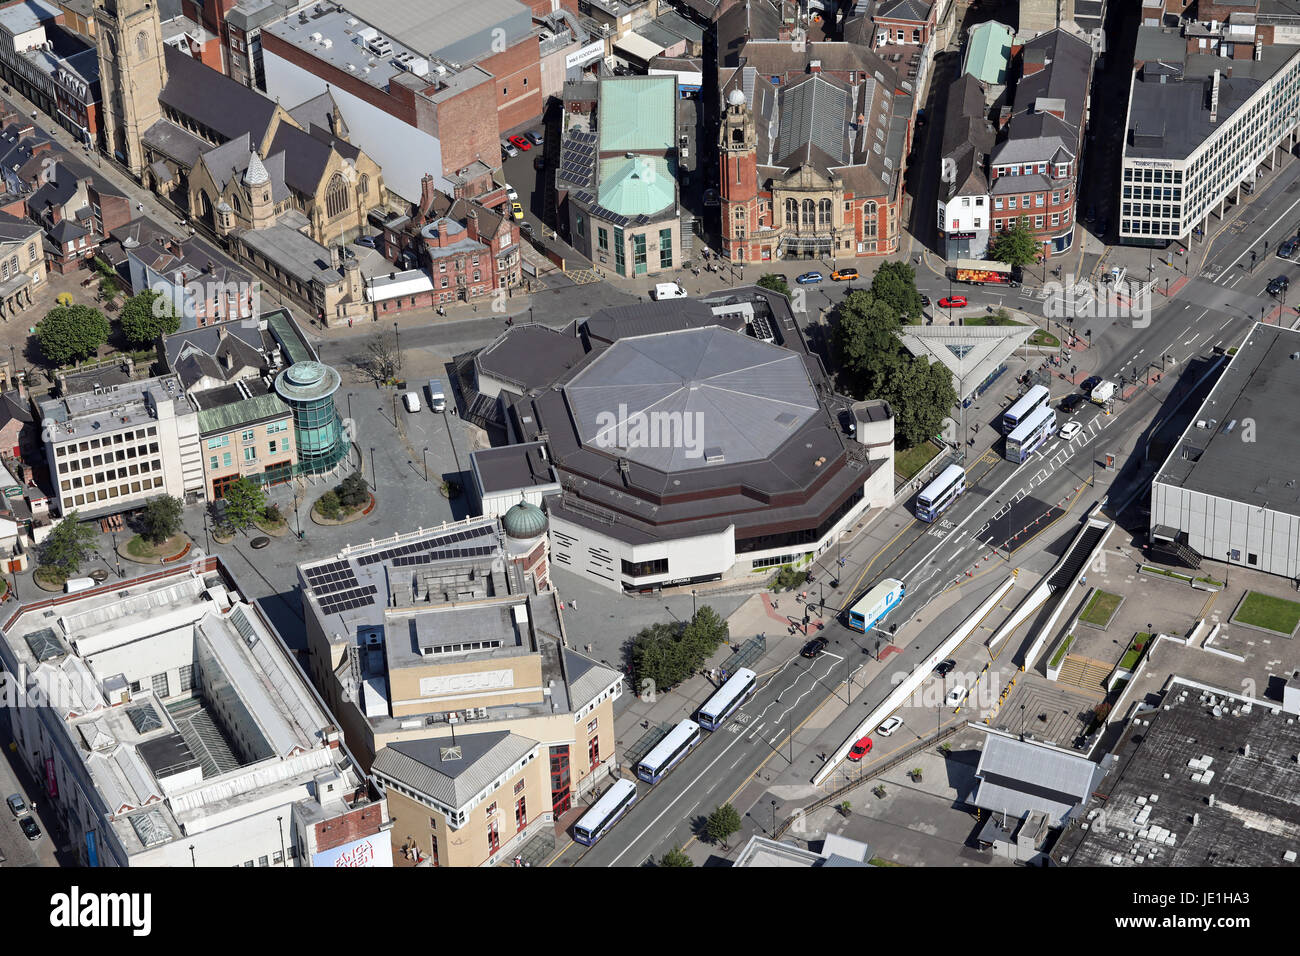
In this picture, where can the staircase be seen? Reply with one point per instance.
(1070, 569)
(1176, 553)
(1085, 674)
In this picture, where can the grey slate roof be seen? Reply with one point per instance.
(224, 105)
(420, 764)
(15, 228)
(179, 144)
(1033, 136)
(917, 10)
(1021, 775)
(812, 115)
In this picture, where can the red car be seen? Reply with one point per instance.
(952, 302)
(860, 749)
(520, 143)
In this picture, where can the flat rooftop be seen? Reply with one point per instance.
(335, 38)
(1243, 444)
(1206, 779)
(112, 408)
(447, 28)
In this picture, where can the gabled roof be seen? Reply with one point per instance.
(917, 11)
(1019, 776)
(15, 228)
(223, 105)
(452, 775)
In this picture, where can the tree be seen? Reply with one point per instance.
(384, 359)
(354, 491)
(867, 342)
(722, 823)
(921, 395)
(776, 283)
(1017, 246)
(895, 285)
(244, 502)
(654, 657)
(703, 635)
(71, 332)
(675, 857)
(161, 518)
(328, 505)
(68, 545)
(146, 317)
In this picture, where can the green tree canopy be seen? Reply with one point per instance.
(921, 395)
(675, 857)
(895, 284)
(68, 545)
(353, 491)
(776, 283)
(665, 654)
(867, 341)
(69, 333)
(244, 502)
(1016, 246)
(161, 518)
(146, 317)
(722, 823)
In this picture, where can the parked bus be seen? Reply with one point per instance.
(739, 688)
(680, 741)
(985, 272)
(1024, 406)
(940, 493)
(872, 607)
(1031, 433)
(605, 812)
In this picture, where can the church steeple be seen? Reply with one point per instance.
(132, 73)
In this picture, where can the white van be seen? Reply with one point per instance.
(73, 585)
(668, 290)
(437, 400)
(412, 400)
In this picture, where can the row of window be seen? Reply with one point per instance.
(1149, 211)
(1062, 170)
(104, 494)
(1000, 225)
(1153, 175)
(108, 457)
(274, 447)
(113, 474)
(1160, 228)
(116, 439)
(276, 858)
(1167, 193)
(1040, 199)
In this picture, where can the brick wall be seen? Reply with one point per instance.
(517, 84)
(350, 826)
(468, 129)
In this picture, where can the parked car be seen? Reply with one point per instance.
(1288, 248)
(517, 211)
(889, 726)
(519, 142)
(844, 275)
(508, 150)
(535, 137)
(944, 668)
(952, 302)
(956, 696)
(370, 242)
(860, 749)
(1071, 402)
(511, 193)
(814, 647)
(925, 302)
(1279, 284)
(1089, 383)
(809, 278)
(1069, 430)
(539, 163)
(16, 805)
(29, 828)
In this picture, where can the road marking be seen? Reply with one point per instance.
(1264, 233)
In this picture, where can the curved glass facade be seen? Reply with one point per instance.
(308, 389)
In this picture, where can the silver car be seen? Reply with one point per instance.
(16, 805)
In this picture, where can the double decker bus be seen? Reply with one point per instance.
(985, 272)
(1030, 434)
(605, 812)
(1024, 406)
(669, 752)
(739, 688)
(940, 493)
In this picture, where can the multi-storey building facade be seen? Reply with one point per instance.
(1034, 167)
(964, 217)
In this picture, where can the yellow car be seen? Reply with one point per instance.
(517, 210)
(844, 275)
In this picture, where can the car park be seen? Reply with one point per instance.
(814, 647)
(844, 275)
(809, 278)
(1071, 402)
(860, 749)
(889, 726)
(1069, 430)
(956, 696)
(16, 805)
(29, 828)
(519, 143)
(944, 668)
(952, 302)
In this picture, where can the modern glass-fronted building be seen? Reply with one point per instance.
(308, 389)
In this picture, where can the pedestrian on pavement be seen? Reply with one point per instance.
(574, 604)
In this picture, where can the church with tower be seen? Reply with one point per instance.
(219, 151)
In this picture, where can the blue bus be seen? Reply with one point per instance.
(1024, 406)
(605, 812)
(738, 689)
(872, 607)
(680, 741)
(1030, 434)
(940, 493)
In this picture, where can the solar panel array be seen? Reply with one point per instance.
(328, 578)
(443, 542)
(430, 557)
(349, 600)
(578, 159)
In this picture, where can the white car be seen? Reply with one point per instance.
(512, 194)
(1069, 430)
(956, 696)
(889, 726)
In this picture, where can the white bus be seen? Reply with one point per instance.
(1024, 406)
(680, 741)
(1031, 433)
(940, 493)
(605, 812)
(739, 688)
(872, 607)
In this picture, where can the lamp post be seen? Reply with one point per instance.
(397, 346)
(693, 608)
(773, 819)
(426, 462)
(374, 473)
(280, 821)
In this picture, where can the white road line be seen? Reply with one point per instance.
(1225, 325)
(1286, 213)
(1229, 285)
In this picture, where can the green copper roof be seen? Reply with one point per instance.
(640, 186)
(637, 113)
(288, 336)
(988, 52)
(524, 520)
(224, 418)
(306, 382)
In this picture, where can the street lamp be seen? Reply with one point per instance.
(374, 473)
(693, 608)
(773, 819)
(426, 462)
(397, 346)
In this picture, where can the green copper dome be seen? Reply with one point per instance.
(525, 521)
